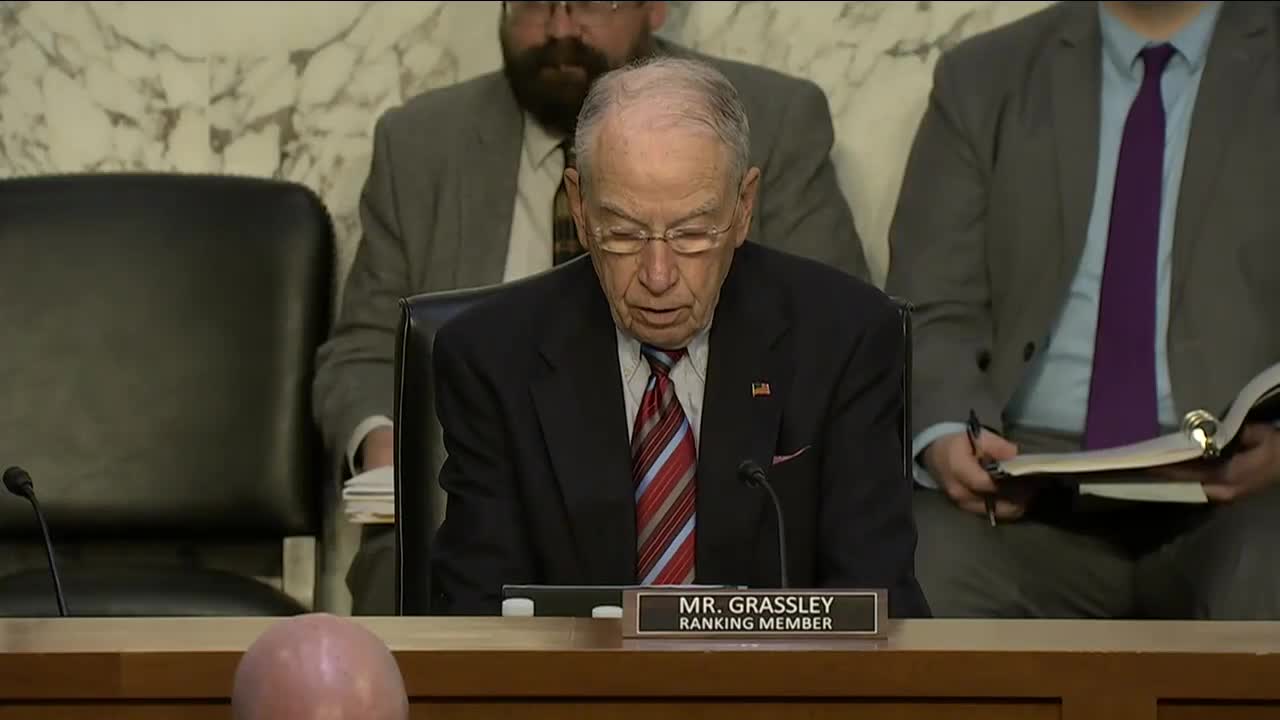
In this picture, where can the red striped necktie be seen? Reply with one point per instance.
(663, 460)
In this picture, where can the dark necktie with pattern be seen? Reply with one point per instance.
(663, 461)
(1122, 391)
(564, 234)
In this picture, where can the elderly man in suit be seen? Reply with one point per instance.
(466, 190)
(596, 418)
(1088, 226)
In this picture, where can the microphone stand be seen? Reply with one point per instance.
(48, 550)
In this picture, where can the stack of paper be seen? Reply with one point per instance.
(370, 497)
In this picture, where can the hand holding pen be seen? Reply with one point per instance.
(975, 432)
(964, 466)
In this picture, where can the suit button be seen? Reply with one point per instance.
(984, 360)
(1028, 350)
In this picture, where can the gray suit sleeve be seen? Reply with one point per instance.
(938, 260)
(802, 210)
(354, 373)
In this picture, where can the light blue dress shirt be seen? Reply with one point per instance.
(1055, 392)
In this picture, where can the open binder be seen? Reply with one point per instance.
(1202, 437)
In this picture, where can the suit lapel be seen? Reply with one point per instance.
(487, 186)
(747, 346)
(1076, 89)
(1240, 45)
(580, 407)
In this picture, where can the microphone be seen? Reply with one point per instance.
(753, 475)
(18, 482)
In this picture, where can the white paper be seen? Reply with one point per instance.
(1183, 492)
(370, 497)
(1164, 450)
(378, 480)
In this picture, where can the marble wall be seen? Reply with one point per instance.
(291, 90)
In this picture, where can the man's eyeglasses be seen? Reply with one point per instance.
(683, 241)
(532, 12)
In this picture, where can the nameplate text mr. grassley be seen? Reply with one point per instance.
(755, 613)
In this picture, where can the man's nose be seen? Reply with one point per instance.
(560, 25)
(657, 267)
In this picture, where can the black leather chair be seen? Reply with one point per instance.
(157, 342)
(420, 503)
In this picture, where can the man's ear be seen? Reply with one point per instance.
(573, 189)
(748, 190)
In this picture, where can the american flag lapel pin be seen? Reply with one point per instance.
(760, 389)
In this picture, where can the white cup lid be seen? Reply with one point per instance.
(517, 607)
(606, 611)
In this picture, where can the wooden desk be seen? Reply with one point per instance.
(149, 669)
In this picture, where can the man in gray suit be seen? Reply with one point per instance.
(466, 190)
(1088, 226)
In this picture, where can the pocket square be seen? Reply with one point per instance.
(779, 459)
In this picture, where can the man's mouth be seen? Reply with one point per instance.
(659, 316)
(565, 69)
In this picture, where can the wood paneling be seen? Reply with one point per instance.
(128, 711)
(1219, 711)
(563, 668)
(644, 709)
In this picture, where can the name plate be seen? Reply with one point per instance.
(671, 613)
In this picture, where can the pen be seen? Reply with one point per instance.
(975, 429)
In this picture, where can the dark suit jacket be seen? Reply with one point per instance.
(538, 474)
(992, 216)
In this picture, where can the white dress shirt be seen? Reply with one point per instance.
(689, 376)
(537, 180)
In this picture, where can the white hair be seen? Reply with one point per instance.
(691, 94)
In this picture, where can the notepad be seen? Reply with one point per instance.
(1203, 436)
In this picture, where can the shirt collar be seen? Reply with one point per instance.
(1122, 45)
(695, 353)
(539, 143)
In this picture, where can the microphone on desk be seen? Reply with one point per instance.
(753, 475)
(18, 482)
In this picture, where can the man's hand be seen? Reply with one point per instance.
(952, 464)
(378, 449)
(1256, 465)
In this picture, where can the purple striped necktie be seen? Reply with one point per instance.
(1122, 389)
(664, 459)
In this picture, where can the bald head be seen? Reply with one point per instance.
(660, 95)
(318, 667)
